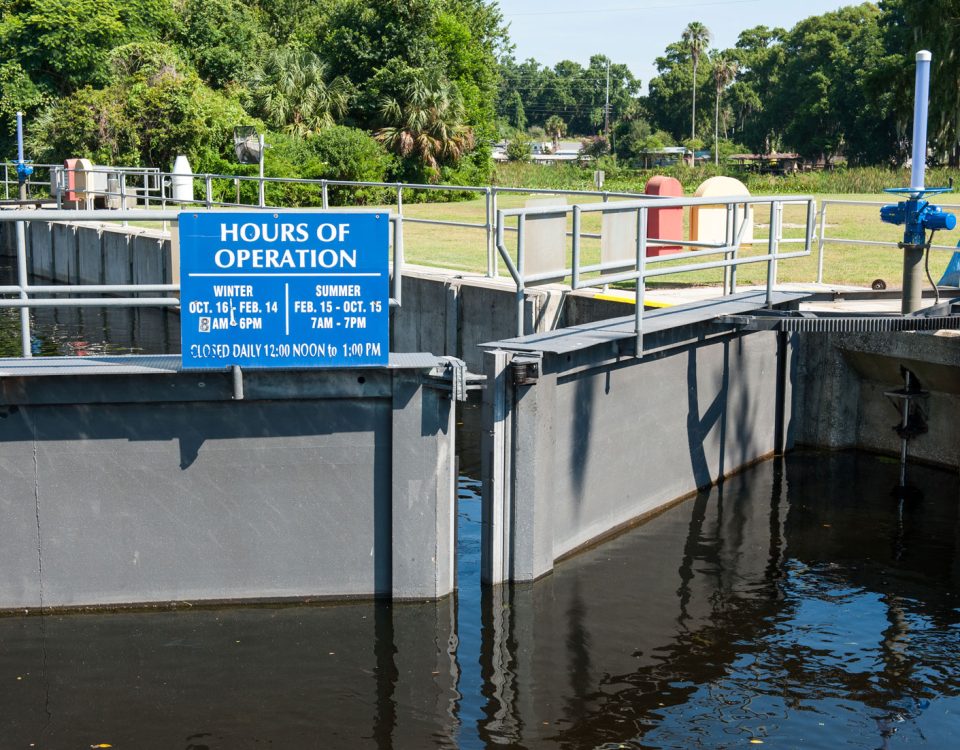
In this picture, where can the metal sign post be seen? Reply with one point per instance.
(288, 289)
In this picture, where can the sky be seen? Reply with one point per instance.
(636, 32)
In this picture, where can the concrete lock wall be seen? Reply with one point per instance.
(844, 377)
(123, 488)
(72, 253)
(599, 440)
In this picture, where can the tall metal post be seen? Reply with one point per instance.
(920, 110)
(22, 172)
(22, 278)
(912, 251)
(261, 193)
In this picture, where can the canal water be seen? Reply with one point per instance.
(803, 603)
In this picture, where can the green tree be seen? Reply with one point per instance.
(759, 55)
(292, 92)
(907, 26)
(696, 37)
(519, 118)
(569, 90)
(224, 39)
(156, 108)
(17, 94)
(669, 98)
(426, 123)
(822, 104)
(65, 44)
(724, 71)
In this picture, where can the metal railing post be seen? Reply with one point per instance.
(575, 267)
(399, 199)
(61, 185)
(735, 236)
(771, 251)
(6, 182)
(324, 195)
(208, 189)
(398, 259)
(23, 280)
(521, 292)
(261, 192)
(810, 224)
(488, 227)
(729, 234)
(146, 190)
(163, 202)
(776, 247)
(820, 241)
(123, 193)
(496, 229)
(641, 287)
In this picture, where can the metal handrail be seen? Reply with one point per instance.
(637, 268)
(24, 289)
(822, 239)
(156, 189)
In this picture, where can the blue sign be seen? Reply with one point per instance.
(285, 289)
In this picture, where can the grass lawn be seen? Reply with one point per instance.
(464, 249)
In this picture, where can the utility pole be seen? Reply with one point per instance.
(606, 107)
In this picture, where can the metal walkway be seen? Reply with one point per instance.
(658, 325)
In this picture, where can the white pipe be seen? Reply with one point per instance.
(920, 111)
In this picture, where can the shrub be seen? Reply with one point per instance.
(353, 155)
(518, 147)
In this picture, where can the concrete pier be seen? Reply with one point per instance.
(582, 438)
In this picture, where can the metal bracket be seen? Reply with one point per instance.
(237, 383)
(452, 374)
(525, 370)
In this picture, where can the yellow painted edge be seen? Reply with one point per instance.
(646, 302)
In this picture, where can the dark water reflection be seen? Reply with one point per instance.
(800, 605)
(87, 331)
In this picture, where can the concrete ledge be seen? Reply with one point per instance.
(843, 378)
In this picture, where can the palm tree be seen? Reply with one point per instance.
(556, 128)
(696, 37)
(724, 71)
(428, 123)
(291, 92)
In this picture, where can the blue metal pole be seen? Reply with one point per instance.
(920, 107)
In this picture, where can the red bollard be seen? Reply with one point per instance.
(664, 223)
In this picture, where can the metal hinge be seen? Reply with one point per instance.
(525, 370)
